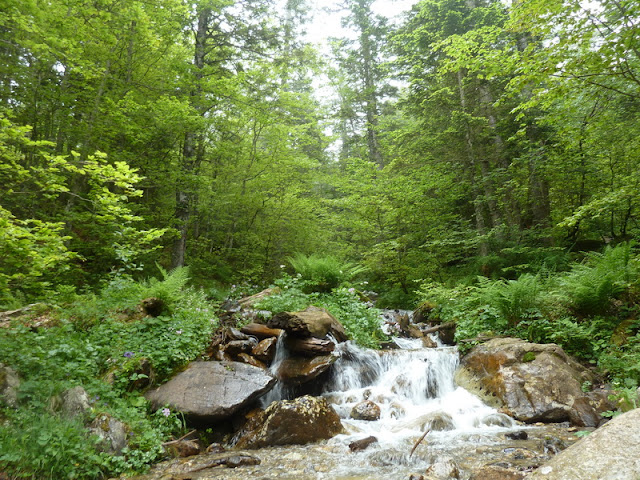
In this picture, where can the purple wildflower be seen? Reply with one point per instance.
(128, 354)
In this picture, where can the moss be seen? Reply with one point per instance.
(528, 357)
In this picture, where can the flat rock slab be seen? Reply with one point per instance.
(212, 391)
(612, 452)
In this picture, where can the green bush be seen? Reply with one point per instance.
(590, 287)
(99, 343)
(513, 299)
(323, 273)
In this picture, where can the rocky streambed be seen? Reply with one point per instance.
(293, 400)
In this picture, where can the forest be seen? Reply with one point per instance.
(478, 157)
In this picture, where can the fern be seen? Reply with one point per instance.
(323, 273)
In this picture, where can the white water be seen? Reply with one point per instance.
(413, 387)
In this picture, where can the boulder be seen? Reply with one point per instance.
(443, 468)
(362, 444)
(303, 420)
(235, 347)
(9, 383)
(299, 370)
(265, 351)
(496, 472)
(112, 433)
(249, 360)
(612, 452)
(533, 382)
(211, 391)
(311, 322)
(74, 402)
(309, 346)
(366, 410)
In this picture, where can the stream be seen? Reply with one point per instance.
(414, 388)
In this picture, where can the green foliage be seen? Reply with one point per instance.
(591, 286)
(515, 300)
(323, 273)
(101, 342)
(361, 321)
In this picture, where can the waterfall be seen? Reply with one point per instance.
(279, 391)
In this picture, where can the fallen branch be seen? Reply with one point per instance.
(419, 441)
(179, 439)
(437, 328)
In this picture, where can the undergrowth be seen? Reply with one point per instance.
(106, 345)
(582, 309)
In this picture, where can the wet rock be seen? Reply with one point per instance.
(231, 334)
(442, 469)
(362, 444)
(437, 422)
(235, 347)
(265, 351)
(9, 384)
(249, 360)
(309, 346)
(587, 410)
(112, 433)
(495, 472)
(303, 420)
(74, 402)
(534, 382)
(311, 322)
(608, 453)
(212, 391)
(497, 420)
(183, 448)
(366, 410)
(299, 370)
(261, 331)
(521, 435)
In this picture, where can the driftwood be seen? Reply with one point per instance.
(362, 443)
(260, 331)
(418, 442)
(437, 328)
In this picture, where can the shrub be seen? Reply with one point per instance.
(321, 273)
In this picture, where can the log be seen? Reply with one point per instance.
(437, 328)
(260, 331)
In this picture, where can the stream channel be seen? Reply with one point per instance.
(416, 391)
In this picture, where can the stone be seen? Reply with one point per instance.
(611, 452)
(587, 410)
(497, 420)
(521, 435)
(437, 421)
(366, 410)
(235, 347)
(309, 346)
(249, 360)
(362, 444)
(183, 448)
(153, 306)
(533, 382)
(212, 391)
(9, 384)
(299, 370)
(496, 472)
(311, 322)
(265, 351)
(112, 433)
(74, 402)
(303, 420)
(443, 468)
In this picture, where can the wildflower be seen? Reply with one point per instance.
(128, 354)
(166, 412)
(179, 332)
(282, 266)
(352, 290)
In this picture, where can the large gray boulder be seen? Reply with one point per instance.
(212, 391)
(533, 382)
(612, 452)
(303, 420)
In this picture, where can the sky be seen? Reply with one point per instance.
(327, 24)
